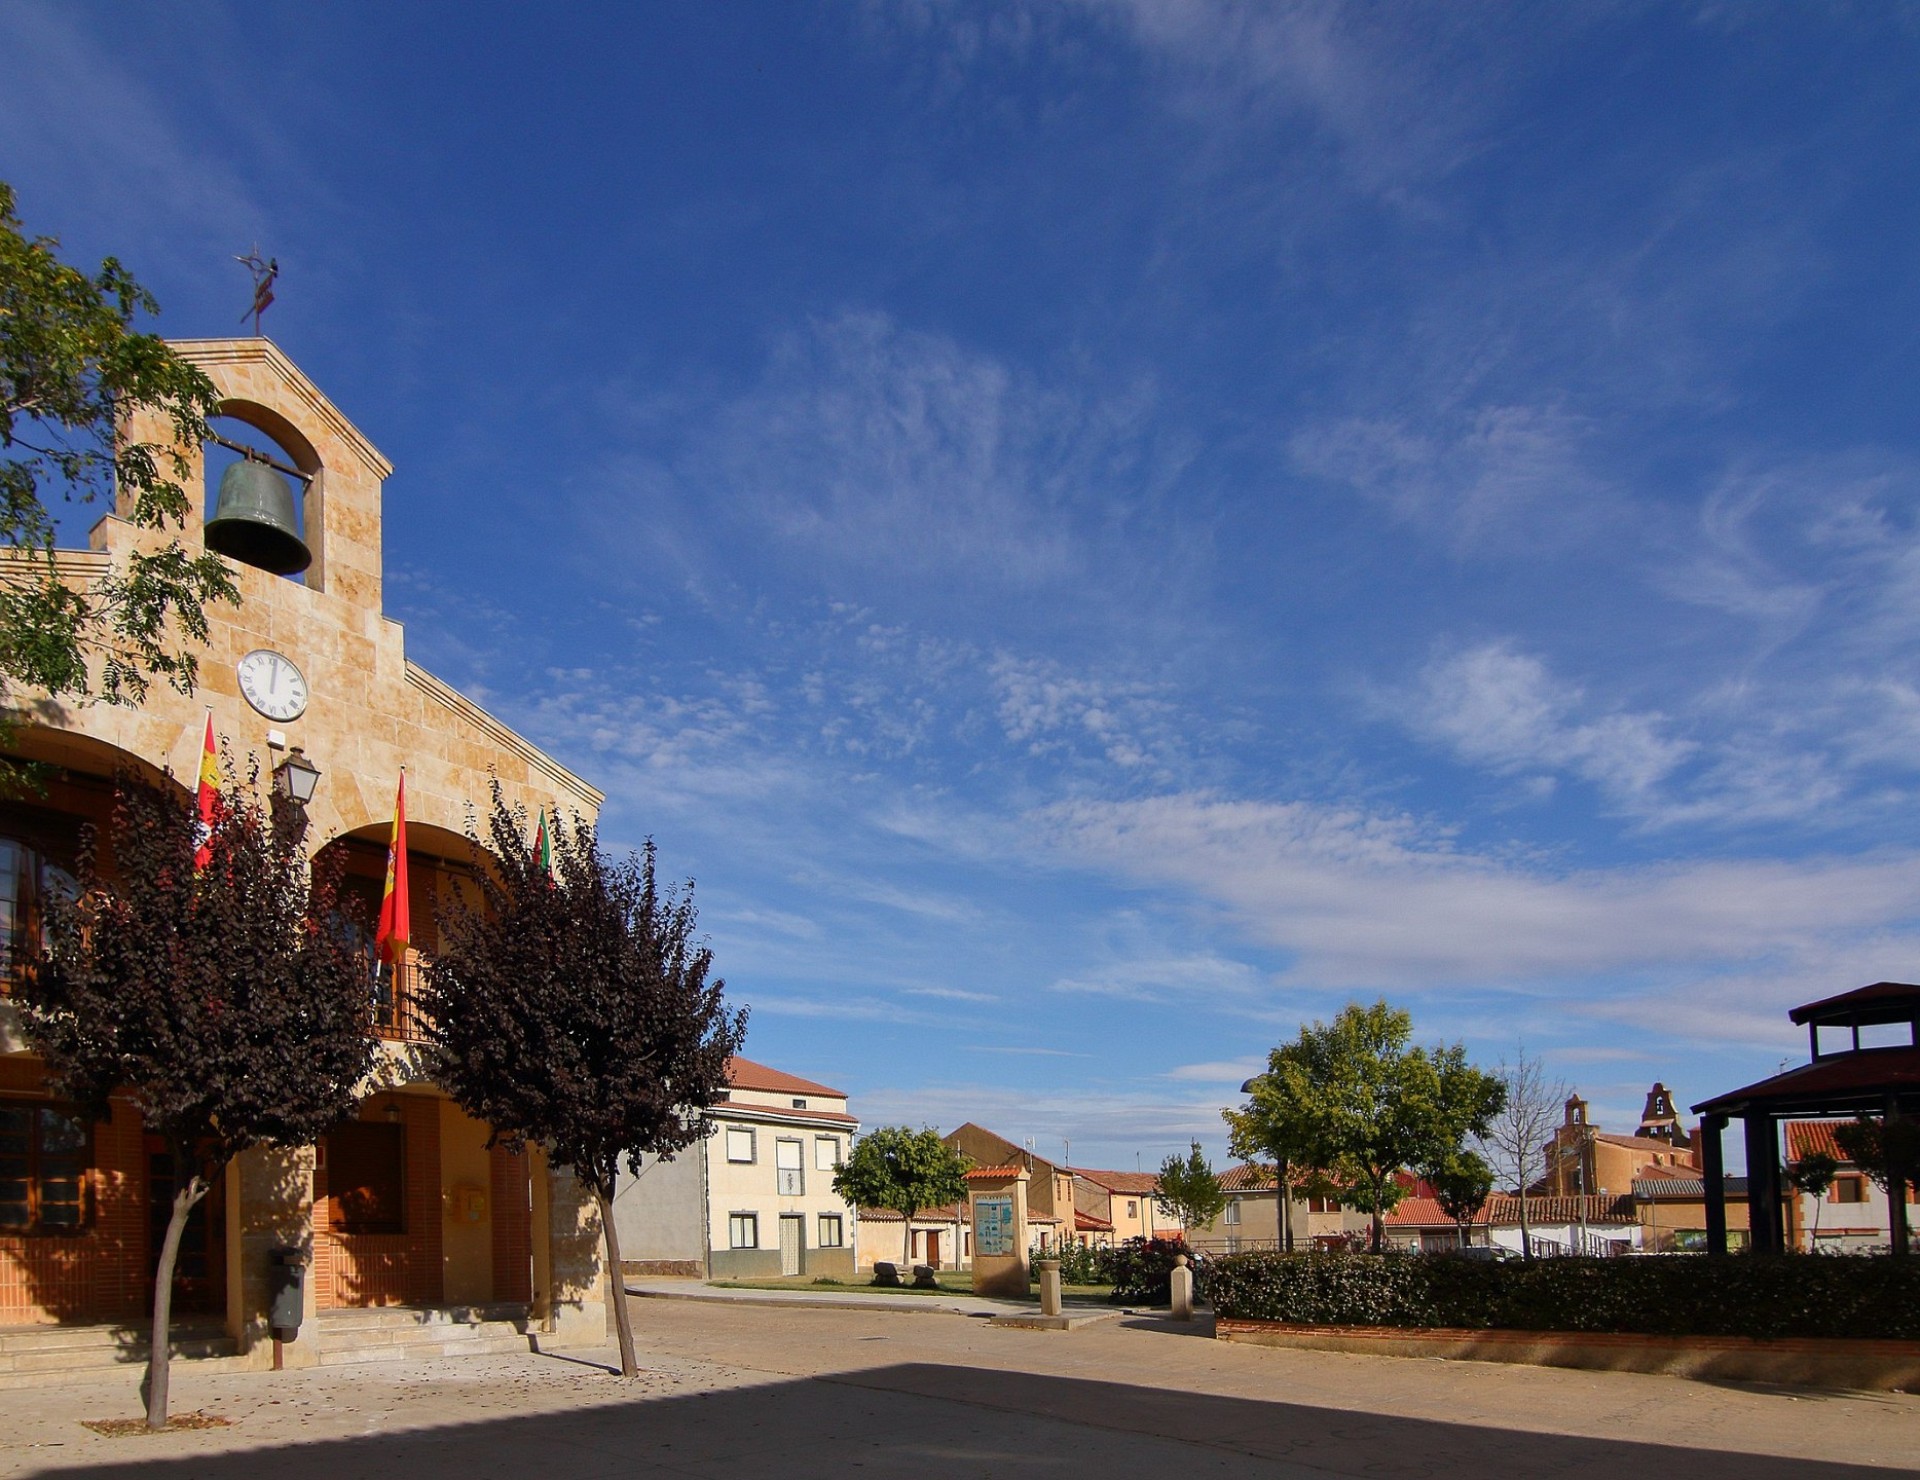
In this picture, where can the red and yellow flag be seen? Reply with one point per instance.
(396, 919)
(543, 845)
(206, 800)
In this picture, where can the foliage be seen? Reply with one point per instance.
(572, 1008)
(71, 368)
(1888, 1151)
(1515, 1139)
(904, 1170)
(1462, 1182)
(1142, 1270)
(1812, 1175)
(1189, 1189)
(222, 1003)
(1277, 1125)
(1080, 1264)
(1755, 1296)
(1363, 1105)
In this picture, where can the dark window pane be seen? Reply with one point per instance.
(366, 1177)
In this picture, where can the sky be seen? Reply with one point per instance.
(1100, 532)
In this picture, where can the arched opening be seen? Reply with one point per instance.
(260, 473)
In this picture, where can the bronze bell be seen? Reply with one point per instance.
(254, 520)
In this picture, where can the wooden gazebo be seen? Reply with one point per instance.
(1846, 1079)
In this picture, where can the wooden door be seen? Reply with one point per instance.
(933, 1249)
(792, 1234)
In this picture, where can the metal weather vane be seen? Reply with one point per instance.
(264, 274)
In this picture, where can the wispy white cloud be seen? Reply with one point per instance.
(1233, 1072)
(1501, 708)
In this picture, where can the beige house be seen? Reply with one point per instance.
(1051, 1214)
(941, 1238)
(1127, 1202)
(1251, 1219)
(755, 1198)
(406, 1205)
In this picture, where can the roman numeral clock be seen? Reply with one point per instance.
(272, 684)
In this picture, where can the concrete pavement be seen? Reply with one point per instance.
(737, 1390)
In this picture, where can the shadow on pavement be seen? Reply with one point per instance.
(929, 1420)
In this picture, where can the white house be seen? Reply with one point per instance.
(755, 1198)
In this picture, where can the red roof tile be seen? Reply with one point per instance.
(1247, 1178)
(1091, 1223)
(1804, 1137)
(746, 1074)
(1138, 1183)
(981, 1174)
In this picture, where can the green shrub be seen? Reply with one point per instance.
(1684, 1295)
(1142, 1271)
(1079, 1265)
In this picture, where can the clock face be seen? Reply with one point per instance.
(272, 685)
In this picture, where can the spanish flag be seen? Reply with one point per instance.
(396, 919)
(206, 800)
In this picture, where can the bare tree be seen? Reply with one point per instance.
(1515, 1142)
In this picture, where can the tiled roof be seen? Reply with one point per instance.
(746, 1074)
(1090, 1223)
(1503, 1210)
(1138, 1183)
(740, 1110)
(949, 1213)
(1807, 1136)
(982, 1174)
(1656, 1172)
(1247, 1177)
(1638, 1143)
(1682, 1189)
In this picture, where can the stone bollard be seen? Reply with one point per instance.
(1049, 1286)
(1182, 1289)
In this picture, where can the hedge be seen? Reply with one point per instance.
(1682, 1295)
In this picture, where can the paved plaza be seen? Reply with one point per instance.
(736, 1390)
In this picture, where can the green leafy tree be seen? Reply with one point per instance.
(1190, 1190)
(1813, 1174)
(72, 366)
(1887, 1149)
(1462, 1182)
(902, 1170)
(223, 1002)
(1371, 1106)
(571, 1007)
(1277, 1125)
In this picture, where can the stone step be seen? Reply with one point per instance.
(408, 1318)
(99, 1338)
(332, 1339)
(119, 1371)
(415, 1351)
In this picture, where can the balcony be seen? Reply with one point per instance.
(397, 1017)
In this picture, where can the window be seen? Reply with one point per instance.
(1323, 1205)
(367, 1177)
(1849, 1189)
(826, 1153)
(1232, 1215)
(1133, 1208)
(740, 1144)
(833, 1232)
(799, 1104)
(43, 1168)
(786, 1162)
(743, 1230)
(28, 883)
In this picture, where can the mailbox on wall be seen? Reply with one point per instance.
(467, 1203)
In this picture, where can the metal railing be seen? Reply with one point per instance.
(397, 1017)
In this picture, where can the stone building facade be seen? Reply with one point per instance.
(461, 1224)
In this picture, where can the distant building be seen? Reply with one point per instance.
(1582, 1159)
(1854, 1215)
(755, 1198)
(1127, 1202)
(1251, 1218)
(1594, 1226)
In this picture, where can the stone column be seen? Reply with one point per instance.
(573, 1298)
(1049, 1286)
(1182, 1289)
(998, 1203)
(269, 1206)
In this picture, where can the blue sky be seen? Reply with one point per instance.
(1098, 532)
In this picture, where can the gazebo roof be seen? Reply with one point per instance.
(1883, 1002)
(1841, 1084)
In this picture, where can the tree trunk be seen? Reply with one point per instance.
(189, 1188)
(617, 1285)
(1526, 1234)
